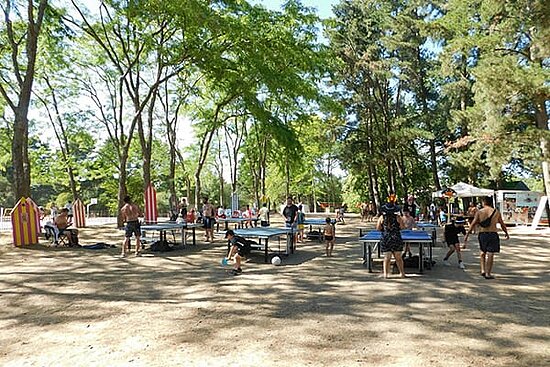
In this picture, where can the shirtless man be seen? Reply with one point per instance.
(130, 214)
(489, 242)
(63, 223)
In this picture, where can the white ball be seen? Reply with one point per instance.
(276, 260)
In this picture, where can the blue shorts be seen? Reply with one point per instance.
(208, 222)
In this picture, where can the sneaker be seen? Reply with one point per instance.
(239, 270)
(461, 265)
(446, 263)
(235, 272)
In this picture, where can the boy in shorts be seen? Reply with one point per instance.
(239, 248)
(329, 236)
(451, 238)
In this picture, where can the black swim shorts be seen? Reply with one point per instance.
(133, 227)
(489, 242)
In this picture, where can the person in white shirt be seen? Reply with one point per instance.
(264, 216)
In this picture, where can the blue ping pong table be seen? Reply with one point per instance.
(318, 222)
(265, 233)
(414, 237)
(164, 227)
(237, 221)
(429, 227)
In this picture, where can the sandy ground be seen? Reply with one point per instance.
(76, 307)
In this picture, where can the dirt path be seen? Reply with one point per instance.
(75, 307)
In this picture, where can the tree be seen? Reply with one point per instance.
(16, 80)
(509, 43)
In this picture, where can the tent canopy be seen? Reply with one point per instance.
(464, 190)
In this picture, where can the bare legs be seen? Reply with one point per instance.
(329, 248)
(451, 251)
(398, 261)
(126, 245)
(486, 260)
(138, 245)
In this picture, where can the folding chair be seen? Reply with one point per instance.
(52, 234)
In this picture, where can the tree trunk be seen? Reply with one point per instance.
(171, 134)
(122, 189)
(375, 187)
(433, 161)
(287, 178)
(197, 189)
(20, 142)
(221, 181)
(20, 155)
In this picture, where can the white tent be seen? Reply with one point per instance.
(463, 190)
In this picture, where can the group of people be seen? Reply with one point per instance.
(484, 221)
(391, 220)
(294, 217)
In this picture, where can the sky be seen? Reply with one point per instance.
(324, 7)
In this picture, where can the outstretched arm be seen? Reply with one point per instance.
(472, 226)
(503, 226)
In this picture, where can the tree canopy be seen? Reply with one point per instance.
(215, 98)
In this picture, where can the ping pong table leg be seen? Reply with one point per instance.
(266, 256)
(369, 259)
(421, 256)
(194, 240)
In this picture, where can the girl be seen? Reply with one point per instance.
(390, 224)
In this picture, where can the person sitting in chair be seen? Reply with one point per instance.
(62, 223)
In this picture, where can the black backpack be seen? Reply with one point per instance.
(161, 246)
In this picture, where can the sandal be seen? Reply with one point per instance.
(489, 277)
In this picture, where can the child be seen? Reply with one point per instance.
(238, 248)
(300, 221)
(329, 237)
(451, 237)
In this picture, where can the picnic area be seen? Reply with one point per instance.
(70, 306)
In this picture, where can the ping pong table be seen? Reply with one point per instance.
(237, 221)
(318, 222)
(429, 227)
(414, 237)
(265, 233)
(164, 227)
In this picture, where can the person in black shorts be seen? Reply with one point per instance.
(329, 236)
(239, 248)
(451, 237)
(487, 219)
(208, 215)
